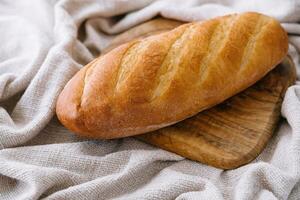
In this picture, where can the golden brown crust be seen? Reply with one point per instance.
(154, 82)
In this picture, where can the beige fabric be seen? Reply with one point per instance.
(44, 42)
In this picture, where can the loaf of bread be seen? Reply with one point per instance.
(157, 81)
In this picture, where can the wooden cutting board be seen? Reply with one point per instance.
(232, 133)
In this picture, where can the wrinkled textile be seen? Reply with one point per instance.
(44, 42)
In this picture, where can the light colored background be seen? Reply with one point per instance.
(44, 42)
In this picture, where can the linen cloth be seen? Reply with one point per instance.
(44, 42)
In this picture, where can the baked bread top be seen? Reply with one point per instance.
(157, 81)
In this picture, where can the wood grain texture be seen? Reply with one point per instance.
(232, 133)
